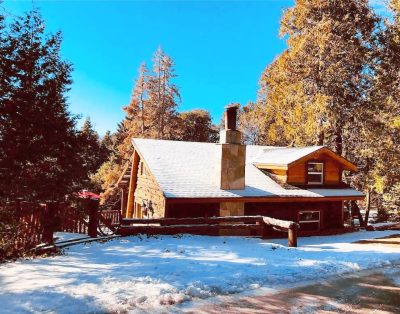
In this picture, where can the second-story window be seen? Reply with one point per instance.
(315, 173)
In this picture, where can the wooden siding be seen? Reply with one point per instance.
(297, 172)
(192, 210)
(331, 213)
(147, 189)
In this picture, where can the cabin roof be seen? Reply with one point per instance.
(282, 155)
(188, 170)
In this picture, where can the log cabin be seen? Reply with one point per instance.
(176, 179)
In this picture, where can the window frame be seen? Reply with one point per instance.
(322, 173)
(310, 221)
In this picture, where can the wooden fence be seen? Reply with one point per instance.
(26, 225)
(31, 224)
(22, 228)
(72, 220)
(112, 216)
(259, 225)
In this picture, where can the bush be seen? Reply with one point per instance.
(9, 233)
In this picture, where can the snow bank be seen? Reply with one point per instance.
(147, 274)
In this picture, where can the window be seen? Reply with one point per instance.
(309, 220)
(315, 173)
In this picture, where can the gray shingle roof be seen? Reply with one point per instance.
(187, 170)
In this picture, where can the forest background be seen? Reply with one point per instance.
(336, 84)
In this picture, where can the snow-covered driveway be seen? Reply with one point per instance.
(140, 273)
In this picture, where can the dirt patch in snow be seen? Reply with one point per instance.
(392, 240)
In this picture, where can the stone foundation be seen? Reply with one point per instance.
(231, 209)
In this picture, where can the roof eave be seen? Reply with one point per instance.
(348, 165)
(261, 165)
(259, 199)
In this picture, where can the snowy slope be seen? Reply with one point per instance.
(137, 274)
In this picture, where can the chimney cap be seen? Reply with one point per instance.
(231, 112)
(232, 106)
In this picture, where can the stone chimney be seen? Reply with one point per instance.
(231, 156)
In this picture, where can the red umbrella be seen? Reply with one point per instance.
(87, 194)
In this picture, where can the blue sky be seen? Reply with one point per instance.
(220, 49)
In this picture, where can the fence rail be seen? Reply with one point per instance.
(112, 215)
(209, 226)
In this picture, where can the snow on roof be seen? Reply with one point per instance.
(283, 155)
(188, 170)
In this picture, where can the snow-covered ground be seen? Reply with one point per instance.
(138, 274)
(67, 236)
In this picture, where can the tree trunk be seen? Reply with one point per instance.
(92, 207)
(321, 136)
(356, 210)
(368, 207)
(338, 140)
(142, 111)
(48, 222)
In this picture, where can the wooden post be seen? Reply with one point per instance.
(48, 222)
(264, 230)
(123, 209)
(132, 186)
(368, 205)
(92, 209)
(292, 235)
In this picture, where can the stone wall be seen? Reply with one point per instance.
(147, 190)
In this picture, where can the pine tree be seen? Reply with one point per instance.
(313, 88)
(38, 141)
(151, 113)
(378, 147)
(137, 111)
(137, 122)
(92, 152)
(252, 123)
(5, 67)
(337, 84)
(163, 97)
(196, 126)
(107, 143)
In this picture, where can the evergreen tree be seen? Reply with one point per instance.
(337, 84)
(377, 148)
(314, 87)
(252, 123)
(107, 143)
(151, 113)
(93, 154)
(196, 126)
(38, 139)
(136, 111)
(163, 96)
(138, 120)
